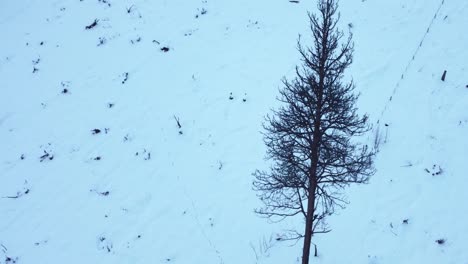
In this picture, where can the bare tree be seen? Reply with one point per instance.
(313, 138)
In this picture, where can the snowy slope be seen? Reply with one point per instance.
(164, 194)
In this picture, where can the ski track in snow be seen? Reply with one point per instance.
(413, 57)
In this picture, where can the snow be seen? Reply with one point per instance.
(187, 198)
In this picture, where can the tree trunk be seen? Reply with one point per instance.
(309, 225)
(313, 173)
(317, 138)
(311, 201)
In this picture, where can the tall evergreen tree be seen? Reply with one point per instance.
(312, 138)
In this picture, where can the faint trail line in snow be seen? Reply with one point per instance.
(197, 220)
(405, 71)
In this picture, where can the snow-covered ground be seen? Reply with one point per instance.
(144, 190)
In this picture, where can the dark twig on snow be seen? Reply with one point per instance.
(125, 78)
(46, 156)
(102, 41)
(18, 195)
(106, 193)
(443, 76)
(178, 125)
(92, 25)
(178, 122)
